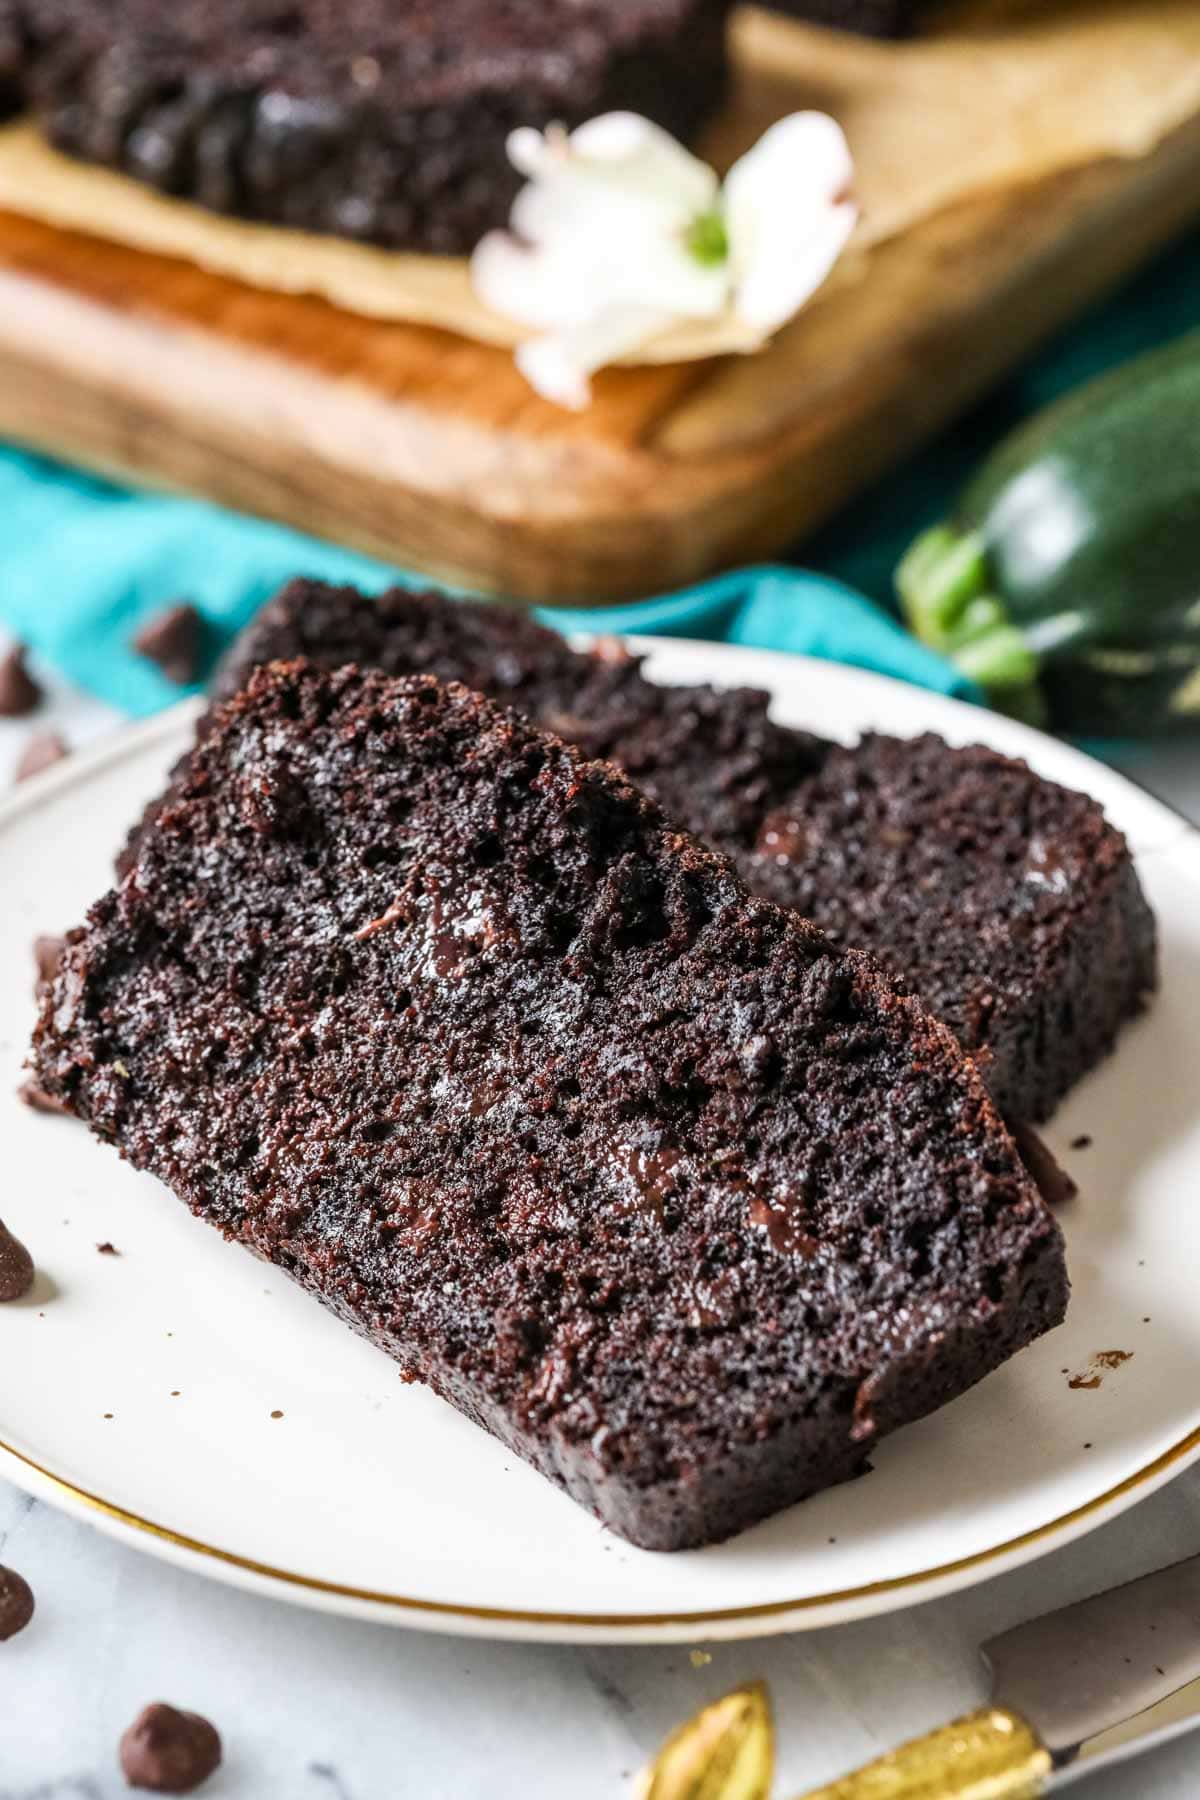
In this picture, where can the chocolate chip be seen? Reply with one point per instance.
(107, 1249)
(38, 1100)
(16, 1603)
(1048, 1176)
(43, 750)
(16, 1267)
(168, 1751)
(172, 639)
(19, 692)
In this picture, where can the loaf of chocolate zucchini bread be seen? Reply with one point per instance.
(873, 18)
(686, 1205)
(1009, 903)
(12, 59)
(383, 120)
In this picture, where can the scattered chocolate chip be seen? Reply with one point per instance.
(1047, 1174)
(38, 1099)
(19, 692)
(1082, 1142)
(107, 1249)
(16, 1603)
(16, 1267)
(43, 750)
(169, 1752)
(47, 954)
(172, 640)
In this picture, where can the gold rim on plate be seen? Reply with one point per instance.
(1186, 1448)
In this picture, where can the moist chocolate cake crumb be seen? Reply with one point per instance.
(19, 692)
(46, 951)
(42, 751)
(172, 640)
(364, 119)
(16, 1266)
(683, 1203)
(1082, 1142)
(1010, 903)
(38, 1100)
(16, 1603)
(169, 1752)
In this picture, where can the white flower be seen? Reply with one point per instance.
(621, 234)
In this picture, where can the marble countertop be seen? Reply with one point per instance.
(315, 1708)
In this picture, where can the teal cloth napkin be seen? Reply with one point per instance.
(83, 563)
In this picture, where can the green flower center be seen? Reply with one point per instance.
(707, 239)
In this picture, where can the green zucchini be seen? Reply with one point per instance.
(1067, 582)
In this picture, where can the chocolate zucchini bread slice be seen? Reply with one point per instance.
(1012, 902)
(383, 120)
(683, 1203)
(1009, 903)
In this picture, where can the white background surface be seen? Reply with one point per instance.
(313, 1706)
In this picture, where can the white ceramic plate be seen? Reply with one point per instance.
(142, 1390)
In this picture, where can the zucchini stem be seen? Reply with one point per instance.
(943, 583)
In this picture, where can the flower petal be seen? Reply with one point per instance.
(618, 162)
(534, 285)
(788, 216)
(804, 157)
(638, 155)
(558, 365)
(532, 152)
(601, 229)
(790, 268)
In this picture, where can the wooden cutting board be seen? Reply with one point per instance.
(429, 450)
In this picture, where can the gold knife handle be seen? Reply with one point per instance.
(990, 1755)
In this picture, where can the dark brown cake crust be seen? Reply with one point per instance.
(13, 55)
(683, 1204)
(383, 120)
(873, 18)
(711, 757)
(1010, 904)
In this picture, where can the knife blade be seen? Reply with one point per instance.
(1072, 1691)
(1109, 1676)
